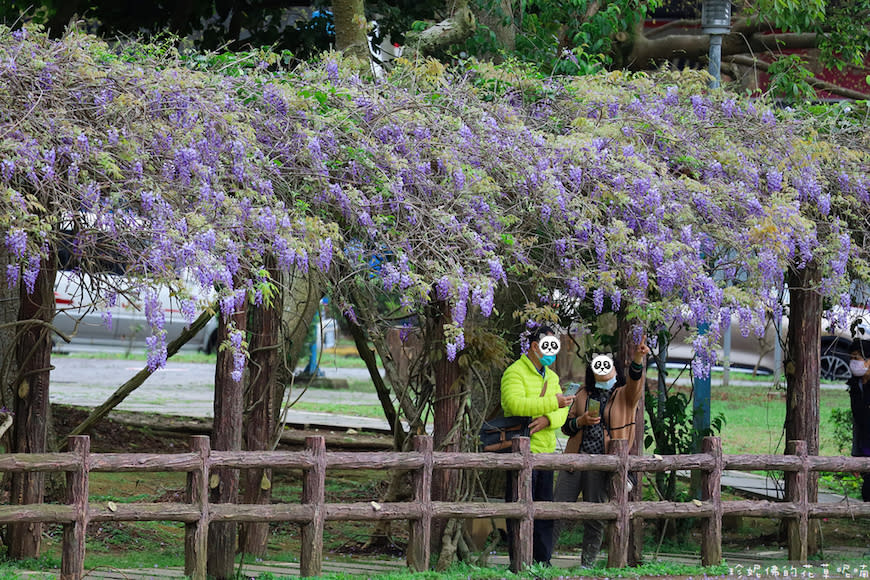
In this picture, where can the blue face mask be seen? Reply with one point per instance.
(606, 385)
(548, 359)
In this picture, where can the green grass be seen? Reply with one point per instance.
(467, 571)
(755, 417)
(139, 355)
(715, 376)
(374, 411)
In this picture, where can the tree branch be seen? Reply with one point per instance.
(744, 60)
(744, 38)
(671, 25)
(449, 31)
(776, 42)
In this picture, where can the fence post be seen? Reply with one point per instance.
(711, 490)
(196, 533)
(72, 563)
(520, 532)
(421, 529)
(313, 494)
(617, 547)
(796, 489)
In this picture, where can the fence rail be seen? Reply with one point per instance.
(313, 511)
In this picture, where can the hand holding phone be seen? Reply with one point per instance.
(593, 408)
(571, 389)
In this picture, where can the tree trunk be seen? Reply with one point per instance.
(33, 355)
(260, 416)
(500, 20)
(351, 28)
(802, 370)
(226, 436)
(453, 30)
(625, 348)
(300, 300)
(9, 304)
(445, 482)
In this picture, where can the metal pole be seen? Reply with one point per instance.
(701, 400)
(715, 60)
(726, 358)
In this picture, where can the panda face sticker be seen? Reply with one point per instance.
(550, 345)
(602, 365)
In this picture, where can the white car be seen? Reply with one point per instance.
(94, 325)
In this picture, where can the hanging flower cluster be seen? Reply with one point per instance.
(147, 168)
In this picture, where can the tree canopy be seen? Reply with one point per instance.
(792, 41)
(617, 190)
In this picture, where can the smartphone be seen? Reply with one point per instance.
(593, 407)
(571, 389)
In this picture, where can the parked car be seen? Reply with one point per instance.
(758, 354)
(84, 317)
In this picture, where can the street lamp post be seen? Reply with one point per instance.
(716, 21)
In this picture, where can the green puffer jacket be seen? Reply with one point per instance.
(521, 387)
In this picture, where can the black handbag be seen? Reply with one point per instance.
(496, 434)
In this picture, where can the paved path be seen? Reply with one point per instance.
(187, 390)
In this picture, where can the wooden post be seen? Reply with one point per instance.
(617, 550)
(711, 490)
(521, 532)
(313, 493)
(421, 529)
(196, 534)
(72, 563)
(796, 491)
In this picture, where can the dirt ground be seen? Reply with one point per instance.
(109, 436)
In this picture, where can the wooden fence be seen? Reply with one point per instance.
(197, 513)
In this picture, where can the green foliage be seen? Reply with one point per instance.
(799, 15)
(789, 78)
(575, 37)
(670, 432)
(841, 423)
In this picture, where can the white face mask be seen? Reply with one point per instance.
(858, 367)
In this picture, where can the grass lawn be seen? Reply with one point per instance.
(755, 418)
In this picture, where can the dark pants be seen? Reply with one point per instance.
(542, 536)
(865, 487)
(594, 486)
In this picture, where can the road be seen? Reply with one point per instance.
(187, 390)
